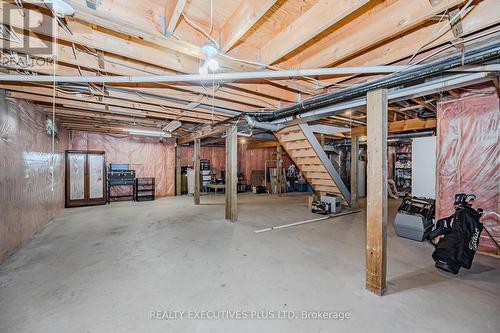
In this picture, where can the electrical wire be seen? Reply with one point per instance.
(54, 43)
(453, 44)
(268, 67)
(211, 17)
(200, 29)
(208, 35)
(442, 30)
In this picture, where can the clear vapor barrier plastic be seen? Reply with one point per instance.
(468, 157)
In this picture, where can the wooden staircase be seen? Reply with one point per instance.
(306, 152)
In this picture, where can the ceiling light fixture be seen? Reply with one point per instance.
(172, 126)
(213, 64)
(209, 50)
(136, 131)
(203, 70)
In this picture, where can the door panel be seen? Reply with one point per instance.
(96, 174)
(85, 178)
(77, 176)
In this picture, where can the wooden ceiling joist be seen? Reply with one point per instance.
(202, 133)
(173, 12)
(309, 25)
(402, 126)
(79, 104)
(110, 22)
(349, 40)
(115, 99)
(130, 47)
(242, 20)
(130, 38)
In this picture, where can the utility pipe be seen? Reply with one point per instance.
(393, 95)
(229, 76)
(474, 55)
(266, 126)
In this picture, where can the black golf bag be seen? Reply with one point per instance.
(460, 233)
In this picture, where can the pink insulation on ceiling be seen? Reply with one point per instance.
(468, 158)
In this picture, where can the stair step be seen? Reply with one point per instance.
(291, 137)
(290, 129)
(313, 168)
(302, 153)
(316, 175)
(300, 161)
(300, 144)
(323, 182)
(328, 189)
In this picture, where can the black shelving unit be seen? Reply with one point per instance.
(402, 173)
(144, 189)
(205, 174)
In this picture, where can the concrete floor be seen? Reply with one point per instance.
(103, 269)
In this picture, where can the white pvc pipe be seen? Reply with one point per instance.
(229, 76)
(306, 222)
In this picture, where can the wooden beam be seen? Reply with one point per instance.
(173, 12)
(82, 104)
(354, 171)
(115, 65)
(178, 179)
(383, 24)
(376, 210)
(322, 140)
(203, 133)
(153, 50)
(401, 126)
(263, 144)
(425, 104)
(115, 23)
(231, 195)
(479, 17)
(247, 14)
(120, 99)
(197, 176)
(317, 19)
(279, 170)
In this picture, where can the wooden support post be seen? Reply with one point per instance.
(279, 169)
(178, 182)
(354, 171)
(376, 211)
(231, 174)
(322, 140)
(197, 152)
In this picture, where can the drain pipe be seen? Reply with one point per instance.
(478, 54)
(266, 126)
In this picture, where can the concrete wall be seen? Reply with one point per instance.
(31, 176)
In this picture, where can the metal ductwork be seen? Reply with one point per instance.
(265, 126)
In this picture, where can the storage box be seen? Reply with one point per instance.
(413, 227)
